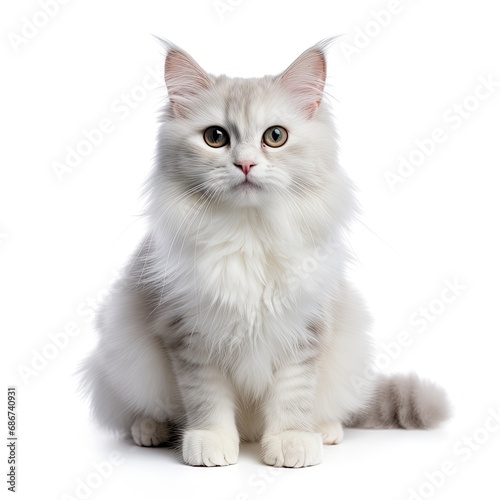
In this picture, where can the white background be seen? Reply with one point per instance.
(63, 240)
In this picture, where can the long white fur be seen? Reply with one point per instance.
(234, 320)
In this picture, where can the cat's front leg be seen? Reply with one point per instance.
(211, 437)
(289, 439)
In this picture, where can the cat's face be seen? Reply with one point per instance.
(245, 142)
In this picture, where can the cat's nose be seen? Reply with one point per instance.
(245, 165)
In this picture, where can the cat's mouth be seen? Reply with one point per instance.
(248, 184)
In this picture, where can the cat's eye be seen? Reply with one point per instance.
(216, 137)
(275, 136)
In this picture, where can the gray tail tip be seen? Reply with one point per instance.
(405, 402)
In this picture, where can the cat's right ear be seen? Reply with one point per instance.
(183, 76)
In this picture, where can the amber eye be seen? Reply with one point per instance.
(216, 137)
(275, 136)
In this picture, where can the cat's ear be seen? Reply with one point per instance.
(304, 80)
(183, 76)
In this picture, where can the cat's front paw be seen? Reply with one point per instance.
(292, 449)
(210, 448)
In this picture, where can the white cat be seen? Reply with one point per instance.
(234, 320)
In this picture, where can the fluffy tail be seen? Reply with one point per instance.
(404, 402)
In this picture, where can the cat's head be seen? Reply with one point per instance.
(247, 141)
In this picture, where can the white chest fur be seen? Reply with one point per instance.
(248, 282)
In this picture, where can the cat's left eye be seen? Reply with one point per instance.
(275, 136)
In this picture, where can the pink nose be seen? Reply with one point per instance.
(245, 165)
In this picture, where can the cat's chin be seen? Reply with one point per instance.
(247, 193)
(248, 187)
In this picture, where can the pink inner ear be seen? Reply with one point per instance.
(305, 79)
(184, 77)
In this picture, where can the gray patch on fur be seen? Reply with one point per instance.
(404, 402)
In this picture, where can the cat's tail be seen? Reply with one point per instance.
(404, 402)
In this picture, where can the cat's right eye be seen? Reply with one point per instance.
(216, 137)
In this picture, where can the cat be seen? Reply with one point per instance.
(234, 320)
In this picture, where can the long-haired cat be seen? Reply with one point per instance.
(234, 320)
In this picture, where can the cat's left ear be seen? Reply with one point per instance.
(305, 78)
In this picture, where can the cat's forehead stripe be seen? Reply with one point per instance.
(244, 111)
(233, 130)
(238, 109)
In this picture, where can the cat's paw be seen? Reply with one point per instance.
(292, 449)
(331, 432)
(210, 448)
(149, 432)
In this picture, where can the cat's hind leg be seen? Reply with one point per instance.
(128, 378)
(147, 431)
(331, 432)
